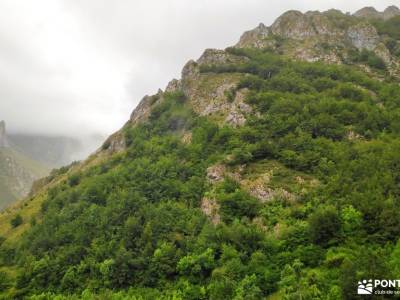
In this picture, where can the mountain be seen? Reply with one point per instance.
(269, 170)
(25, 158)
(17, 171)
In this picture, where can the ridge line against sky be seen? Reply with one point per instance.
(80, 67)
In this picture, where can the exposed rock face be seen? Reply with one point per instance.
(115, 143)
(173, 86)
(296, 25)
(262, 193)
(215, 95)
(218, 95)
(238, 110)
(3, 135)
(218, 57)
(351, 135)
(216, 173)
(293, 24)
(187, 138)
(142, 111)
(363, 36)
(210, 208)
(208, 93)
(255, 38)
(190, 70)
(259, 187)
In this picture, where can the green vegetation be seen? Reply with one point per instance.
(367, 57)
(388, 27)
(390, 30)
(16, 221)
(131, 227)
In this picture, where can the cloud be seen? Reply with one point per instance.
(76, 67)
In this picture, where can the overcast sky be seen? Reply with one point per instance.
(76, 67)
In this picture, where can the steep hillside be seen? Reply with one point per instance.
(17, 171)
(270, 169)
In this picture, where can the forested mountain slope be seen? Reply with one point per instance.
(270, 169)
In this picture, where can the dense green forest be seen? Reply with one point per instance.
(132, 227)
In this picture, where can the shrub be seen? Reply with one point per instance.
(367, 57)
(16, 221)
(5, 282)
(74, 179)
(324, 225)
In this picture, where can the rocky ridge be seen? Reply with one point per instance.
(312, 36)
(322, 36)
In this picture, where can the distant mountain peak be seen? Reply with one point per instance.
(390, 12)
(371, 13)
(392, 8)
(368, 11)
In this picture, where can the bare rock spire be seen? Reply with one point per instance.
(3, 135)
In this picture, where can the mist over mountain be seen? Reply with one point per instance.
(17, 171)
(56, 151)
